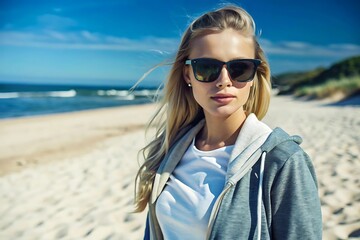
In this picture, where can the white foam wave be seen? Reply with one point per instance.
(113, 92)
(117, 94)
(127, 95)
(70, 93)
(9, 95)
(64, 94)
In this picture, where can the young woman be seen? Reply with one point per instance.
(214, 171)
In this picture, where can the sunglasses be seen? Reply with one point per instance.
(209, 69)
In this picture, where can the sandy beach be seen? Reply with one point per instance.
(71, 176)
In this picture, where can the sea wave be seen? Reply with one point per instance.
(128, 95)
(112, 93)
(118, 94)
(65, 94)
(9, 95)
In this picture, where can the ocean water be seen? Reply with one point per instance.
(20, 100)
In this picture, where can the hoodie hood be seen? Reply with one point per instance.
(252, 136)
(255, 138)
(173, 157)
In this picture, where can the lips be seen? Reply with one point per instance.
(223, 98)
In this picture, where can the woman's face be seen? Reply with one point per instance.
(222, 97)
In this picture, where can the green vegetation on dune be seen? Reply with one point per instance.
(293, 78)
(287, 82)
(342, 78)
(341, 87)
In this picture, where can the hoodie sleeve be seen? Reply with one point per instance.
(295, 202)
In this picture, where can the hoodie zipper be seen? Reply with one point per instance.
(216, 208)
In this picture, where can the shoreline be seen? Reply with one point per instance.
(34, 140)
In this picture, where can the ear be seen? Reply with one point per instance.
(186, 74)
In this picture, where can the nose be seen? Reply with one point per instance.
(224, 78)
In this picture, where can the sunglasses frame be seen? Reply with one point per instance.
(255, 62)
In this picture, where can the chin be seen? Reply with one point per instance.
(224, 111)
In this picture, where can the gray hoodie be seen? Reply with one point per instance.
(270, 191)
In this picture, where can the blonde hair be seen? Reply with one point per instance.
(178, 108)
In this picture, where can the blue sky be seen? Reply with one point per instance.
(116, 42)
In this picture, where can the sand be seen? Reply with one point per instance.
(71, 176)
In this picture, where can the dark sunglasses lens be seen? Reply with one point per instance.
(241, 71)
(206, 70)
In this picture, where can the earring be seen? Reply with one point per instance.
(189, 85)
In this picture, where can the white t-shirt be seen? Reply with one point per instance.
(183, 209)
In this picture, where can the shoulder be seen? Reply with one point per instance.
(280, 146)
(286, 155)
(286, 151)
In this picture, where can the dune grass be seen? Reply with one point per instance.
(344, 86)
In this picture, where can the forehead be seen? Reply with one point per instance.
(225, 45)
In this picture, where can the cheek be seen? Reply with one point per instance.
(200, 92)
(244, 90)
(243, 87)
(197, 92)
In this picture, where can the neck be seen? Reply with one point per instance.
(220, 132)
